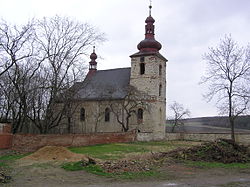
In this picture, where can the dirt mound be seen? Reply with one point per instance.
(56, 153)
(222, 150)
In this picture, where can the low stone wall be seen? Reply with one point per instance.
(149, 136)
(144, 137)
(239, 137)
(5, 140)
(32, 142)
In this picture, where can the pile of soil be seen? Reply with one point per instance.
(222, 150)
(126, 166)
(55, 153)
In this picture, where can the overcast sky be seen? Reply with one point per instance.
(185, 28)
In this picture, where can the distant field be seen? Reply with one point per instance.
(212, 125)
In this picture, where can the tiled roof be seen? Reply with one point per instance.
(104, 84)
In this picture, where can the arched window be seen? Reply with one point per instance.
(82, 114)
(140, 115)
(142, 68)
(160, 69)
(107, 114)
(160, 89)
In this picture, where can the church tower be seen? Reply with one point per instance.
(148, 74)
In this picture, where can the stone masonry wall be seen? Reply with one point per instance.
(149, 82)
(94, 119)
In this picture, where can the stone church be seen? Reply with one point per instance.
(124, 99)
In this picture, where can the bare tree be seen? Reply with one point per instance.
(17, 65)
(179, 113)
(16, 44)
(38, 62)
(98, 116)
(228, 78)
(63, 43)
(124, 109)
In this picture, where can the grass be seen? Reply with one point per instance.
(5, 160)
(3, 165)
(97, 170)
(72, 166)
(13, 157)
(119, 150)
(217, 165)
(108, 151)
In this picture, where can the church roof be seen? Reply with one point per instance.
(104, 84)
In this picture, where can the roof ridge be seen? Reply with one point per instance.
(113, 69)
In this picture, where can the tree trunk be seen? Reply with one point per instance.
(127, 123)
(232, 129)
(175, 124)
(69, 125)
(231, 117)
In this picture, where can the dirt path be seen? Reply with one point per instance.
(27, 174)
(176, 175)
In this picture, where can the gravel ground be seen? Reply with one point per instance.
(175, 174)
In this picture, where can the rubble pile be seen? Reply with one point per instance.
(126, 166)
(221, 150)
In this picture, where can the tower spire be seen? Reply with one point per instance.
(150, 7)
(149, 44)
(93, 63)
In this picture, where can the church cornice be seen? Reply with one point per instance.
(139, 54)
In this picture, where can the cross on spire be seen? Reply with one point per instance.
(150, 7)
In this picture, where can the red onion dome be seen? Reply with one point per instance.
(93, 63)
(149, 44)
(93, 56)
(149, 19)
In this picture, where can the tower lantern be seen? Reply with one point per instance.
(149, 44)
